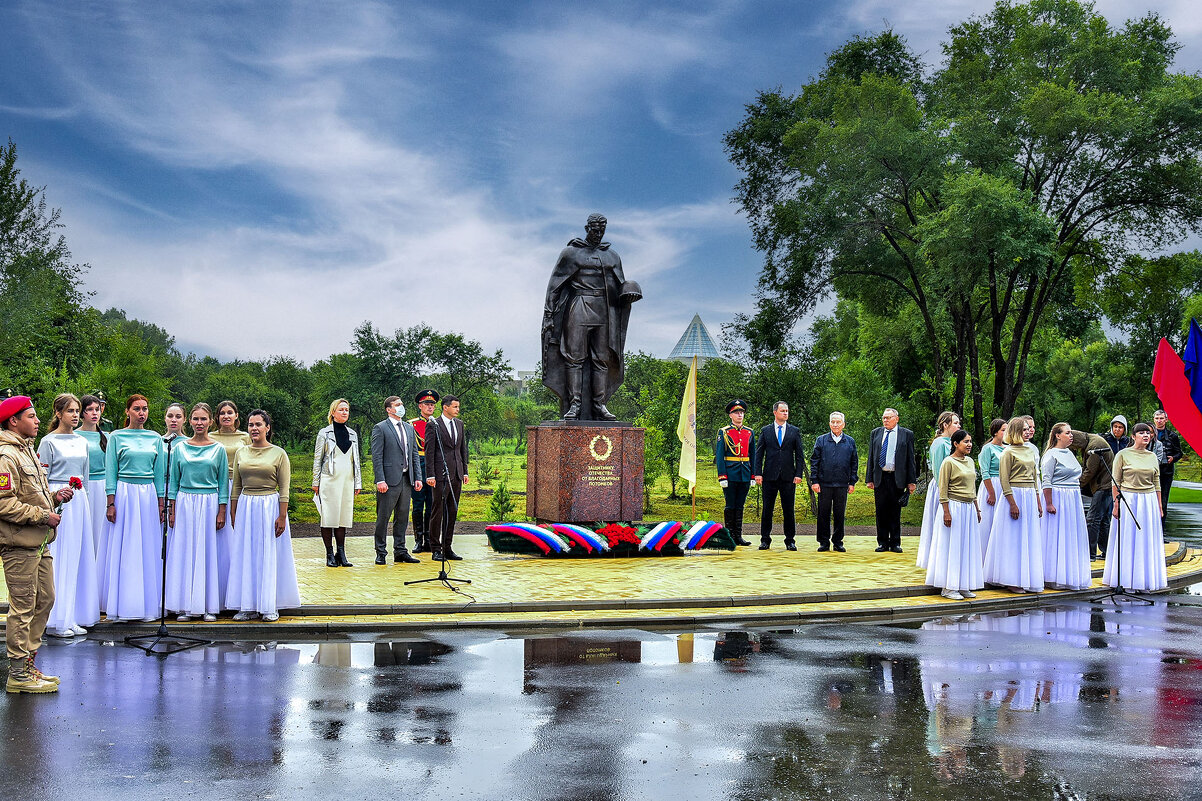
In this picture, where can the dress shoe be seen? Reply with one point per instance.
(882, 548)
(331, 560)
(896, 549)
(242, 616)
(451, 555)
(406, 558)
(763, 546)
(790, 546)
(821, 548)
(741, 541)
(952, 595)
(968, 593)
(381, 559)
(79, 630)
(436, 556)
(840, 549)
(421, 548)
(271, 617)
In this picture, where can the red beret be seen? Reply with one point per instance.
(13, 406)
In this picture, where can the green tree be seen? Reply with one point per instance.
(1045, 149)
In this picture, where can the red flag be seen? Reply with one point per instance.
(1173, 388)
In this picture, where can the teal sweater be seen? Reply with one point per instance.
(199, 470)
(135, 456)
(95, 455)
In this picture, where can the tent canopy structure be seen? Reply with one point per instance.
(695, 341)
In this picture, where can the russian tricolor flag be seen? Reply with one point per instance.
(1178, 383)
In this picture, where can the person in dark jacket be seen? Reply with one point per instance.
(892, 474)
(1095, 483)
(833, 467)
(733, 455)
(1171, 443)
(1117, 437)
(779, 467)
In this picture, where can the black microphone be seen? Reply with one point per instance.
(1099, 450)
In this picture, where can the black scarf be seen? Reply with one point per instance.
(342, 436)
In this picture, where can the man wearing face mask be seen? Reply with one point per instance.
(398, 471)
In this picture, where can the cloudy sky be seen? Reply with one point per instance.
(259, 178)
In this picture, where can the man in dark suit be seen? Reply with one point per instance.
(398, 475)
(834, 463)
(1172, 454)
(779, 467)
(892, 473)
(446, 473)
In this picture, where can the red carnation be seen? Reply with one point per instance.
(75, 482)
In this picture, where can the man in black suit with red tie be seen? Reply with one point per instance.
(779, 467)
(892, 472)
(446, 473)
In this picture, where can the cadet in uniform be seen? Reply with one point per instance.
(426, 400)
(27, 523)
(733, 455)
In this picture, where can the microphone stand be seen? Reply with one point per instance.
(1117, 591)
(442, 576)
(170, 643)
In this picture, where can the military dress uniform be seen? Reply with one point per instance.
(421, 500)
(25, 506)
(733, 454)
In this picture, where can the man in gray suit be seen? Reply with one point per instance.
(398, 473)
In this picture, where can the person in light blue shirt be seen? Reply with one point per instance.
(991, 486)
(130, 571)
(947, 424)
(197, 495)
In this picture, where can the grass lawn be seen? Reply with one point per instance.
(512, 470)
(1182, 495)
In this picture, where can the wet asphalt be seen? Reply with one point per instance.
(1098, 700)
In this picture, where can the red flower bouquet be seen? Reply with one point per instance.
(620, 537)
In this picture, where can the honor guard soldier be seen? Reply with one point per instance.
(105, 424)
(28, 518)
(427, 401)
(733, 455)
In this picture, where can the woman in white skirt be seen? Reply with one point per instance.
(231, 438)
(197, 495)
(135, 482)
(262, 570)
(991, 486)
(1135, 556)
(954, 563)
(947, 424)
(89, 429)
(65, 455)
(1014, 558)
(1065, 536)
(336, 480)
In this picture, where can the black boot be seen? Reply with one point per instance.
(599, 402)
(331, 561)
(573, 376)
(419, 540)
(341, 557)
(737, 514)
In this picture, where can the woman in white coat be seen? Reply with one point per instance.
(336, 480)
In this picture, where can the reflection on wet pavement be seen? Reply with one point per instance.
(1075, 701)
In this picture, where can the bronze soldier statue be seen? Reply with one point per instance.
(584, 325)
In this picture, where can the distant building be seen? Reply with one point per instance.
(695, 341)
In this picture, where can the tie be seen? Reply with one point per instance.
(780, 435)
(404, 445)
(451, 429)
(884, 449)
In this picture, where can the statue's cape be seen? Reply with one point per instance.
(558, 295)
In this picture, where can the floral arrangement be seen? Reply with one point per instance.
(670, 538)
(618, 535)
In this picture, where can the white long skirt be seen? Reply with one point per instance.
(1141, 551)
(337, 492)
(98, 501)
(954, 561)
(224, 537)
(987, 511)
(1014, 557)
(76, 597)
(133, 566)
(193, 580)
(932, 516)
(1066, 541)
(262, 571)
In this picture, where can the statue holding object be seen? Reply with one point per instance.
(584, 325)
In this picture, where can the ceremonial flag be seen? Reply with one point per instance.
(1173, 386)
(1192, 357)
(686, 429)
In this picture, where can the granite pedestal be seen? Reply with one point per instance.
(584, 473)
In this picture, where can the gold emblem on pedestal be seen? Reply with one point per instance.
(609, 447)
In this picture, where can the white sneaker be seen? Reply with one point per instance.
(61, 634)
(241, 616)
(79, 630)
(968, 593)
(271, 617)
(209, 618)
(952, 595)
(182, 618)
